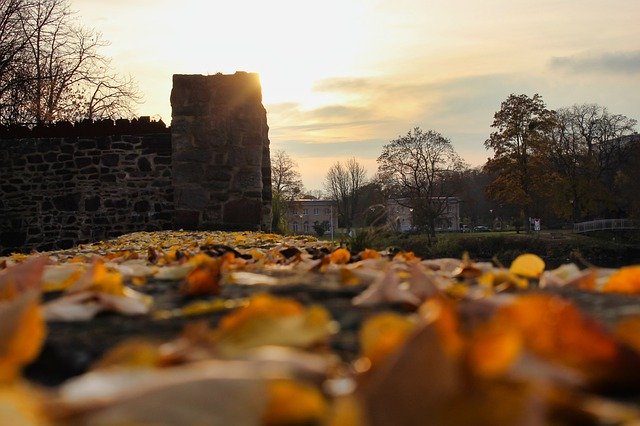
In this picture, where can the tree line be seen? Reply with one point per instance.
(52, 68)
(561, 166)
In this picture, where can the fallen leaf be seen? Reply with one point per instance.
(383, 334)
(22, 333)
(310, 406)
(527, 265)
(625, 280)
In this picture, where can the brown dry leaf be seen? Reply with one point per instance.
(628, 331)
(22, 333)
(84, 305)
(61, 277)
(569, 275)
(215, 392)
(22, 277)
(416, 381)
(387, 289)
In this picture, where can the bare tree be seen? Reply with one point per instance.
(343, 184)
(417, 169)
(59, 72)
(589, 146)
(286, 183)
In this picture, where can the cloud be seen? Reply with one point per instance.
(608, 62)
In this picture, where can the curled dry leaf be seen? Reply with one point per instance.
(84, 305)
(387, 289)
(21, 277)
(60, 277)
(224, 393)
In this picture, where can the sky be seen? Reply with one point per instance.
(341, 78)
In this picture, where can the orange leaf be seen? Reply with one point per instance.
(555, 329)
(383, 334)
(625, 280)
(340, 256)
(294, 403)
(22, 333)
(493, 349)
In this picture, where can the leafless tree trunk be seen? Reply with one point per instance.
(343, 184)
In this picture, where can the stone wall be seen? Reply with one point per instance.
(64, 184)
(221, 161)
(57, 192)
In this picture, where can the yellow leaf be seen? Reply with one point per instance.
(294, 403)
(527, 265)
(20, 405)
(269, 320)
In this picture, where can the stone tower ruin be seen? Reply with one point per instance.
(220, 153)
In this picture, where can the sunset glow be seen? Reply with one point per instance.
(341, 79)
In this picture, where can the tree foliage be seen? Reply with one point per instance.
(417, 170)
(343, 183)
(521, 144)
(51, 67)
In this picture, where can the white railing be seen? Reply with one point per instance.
(604, 224)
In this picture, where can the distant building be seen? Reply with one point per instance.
(401, 217)
(303, 214)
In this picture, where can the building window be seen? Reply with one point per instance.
(305, 211)
(295, 226)
(316, 211)
(306, 227)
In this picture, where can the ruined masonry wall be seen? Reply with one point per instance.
(221, 161)
(65, 184)
(57, 192)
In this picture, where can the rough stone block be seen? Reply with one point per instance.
(110, 160)
(191, 198)
(242, 211)
(186, 219)
(68, 202)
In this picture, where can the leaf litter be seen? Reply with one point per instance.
(411, 341)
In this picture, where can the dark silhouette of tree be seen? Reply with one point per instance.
(343, 184)
(588, 151)
(286, 184)
(521, 145)
(55, 68)
(418, 170)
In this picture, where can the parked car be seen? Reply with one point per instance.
(481, 228)
(465, 228)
